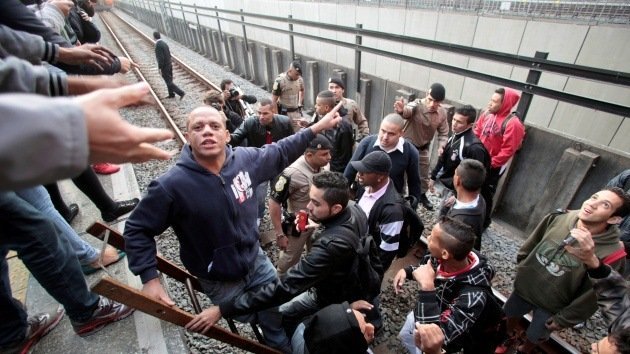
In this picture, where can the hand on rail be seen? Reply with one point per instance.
(153, 289)
(205, 320)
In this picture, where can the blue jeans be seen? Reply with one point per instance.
(38, 197)
(297, 341)
(261, 198)
(48, 257)
(262, 273)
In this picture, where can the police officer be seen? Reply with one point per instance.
(338, 88)
(288, 94)
(425, 117)
(290, 189)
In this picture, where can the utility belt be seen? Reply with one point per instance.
(284, 109)
(423, 147)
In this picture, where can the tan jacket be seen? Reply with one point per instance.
(422, 125)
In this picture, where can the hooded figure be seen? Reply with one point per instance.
(501, 140)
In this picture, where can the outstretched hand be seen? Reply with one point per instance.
(110, 138)
(90, 54)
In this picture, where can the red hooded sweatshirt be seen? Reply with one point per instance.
(488, 128)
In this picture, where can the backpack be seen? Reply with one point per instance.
(367, 265)
(412, 227)
(490, 326)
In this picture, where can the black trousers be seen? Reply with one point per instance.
(167, 75)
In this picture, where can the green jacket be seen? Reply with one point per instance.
(560, 285)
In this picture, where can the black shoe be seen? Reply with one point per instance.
(181, 97)
(170, 96)
(38, 326)
(73, 211)
(425, 202)
(121, 208)
(108, 311)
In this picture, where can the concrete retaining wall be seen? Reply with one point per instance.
(570, 151)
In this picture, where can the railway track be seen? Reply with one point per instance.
(139, 47)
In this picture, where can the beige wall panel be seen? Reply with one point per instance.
(597, 127)
(621, 141)
(606, 47)
(368, 16)
(561, 40)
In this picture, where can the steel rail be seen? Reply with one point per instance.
(169, 120)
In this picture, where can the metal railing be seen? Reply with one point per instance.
(612, 11)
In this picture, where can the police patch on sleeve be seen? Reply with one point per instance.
(280, 190)
(280, 184)
(276, 88)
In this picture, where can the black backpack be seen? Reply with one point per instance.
(412, 227)
(488, 331)
(367, 266)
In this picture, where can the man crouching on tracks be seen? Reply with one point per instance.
(553, 283)
(208, 199)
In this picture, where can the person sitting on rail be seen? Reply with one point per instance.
(340, 137)
(455, 289)
(335, 329)
(468, 206)
(208, 199)
(613, 297)
(553, 283)
(265, 129)
(326, 275)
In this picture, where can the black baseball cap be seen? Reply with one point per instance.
(376, 161)
(320, 143)
(297, 66)
(336, 81)
(334, 329)
(437, 91)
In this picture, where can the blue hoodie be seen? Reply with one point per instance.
(213, 216)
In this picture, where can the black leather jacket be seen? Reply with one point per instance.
(255, 133)
(326, 270)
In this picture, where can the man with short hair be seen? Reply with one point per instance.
(290, 190)
(380, 201)
(622, 181)
(338, 88)
(208, 199)
(502, 134)
(402, 153)
(553, 283)
(425, 117)
(468, 205)
(455, 287)
(234, 98)
(323, 276)
(265, 129)
(341, 137)
(163, 56)
(287, 94)
(463, 144)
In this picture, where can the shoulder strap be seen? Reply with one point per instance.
(507, 119)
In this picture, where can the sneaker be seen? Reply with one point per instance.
(108, 311)
(121, 208)
(39, 325)
(425, 202)
(74, 210)
(105, 168)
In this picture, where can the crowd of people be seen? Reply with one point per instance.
(339, 201)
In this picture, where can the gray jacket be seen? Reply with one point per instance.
(41, 140)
